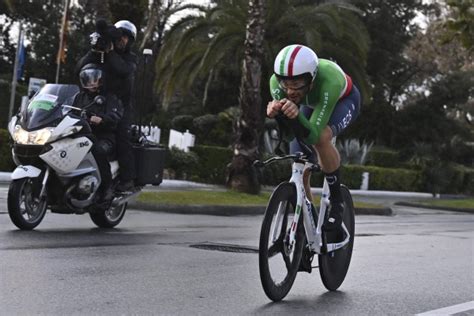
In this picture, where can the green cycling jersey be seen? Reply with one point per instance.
(330, 85)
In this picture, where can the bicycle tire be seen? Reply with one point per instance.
(276, 291)
(333, 266)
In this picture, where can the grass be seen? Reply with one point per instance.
(454, 203)
(203, 198)
(217, 198)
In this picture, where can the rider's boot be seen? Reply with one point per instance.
(125, 186)
(333, 223)
(108, 194)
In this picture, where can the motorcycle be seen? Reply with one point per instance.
(55, 167)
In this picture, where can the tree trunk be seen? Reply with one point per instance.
(242, 175)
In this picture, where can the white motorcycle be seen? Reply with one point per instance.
(56, 169)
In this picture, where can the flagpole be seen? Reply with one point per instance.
(15, 75)
(61, 39)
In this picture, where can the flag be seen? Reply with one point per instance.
(61, 58)
(21, 58)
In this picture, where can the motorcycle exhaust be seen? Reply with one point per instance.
(124, 198)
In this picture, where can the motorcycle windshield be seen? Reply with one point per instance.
(46, 107)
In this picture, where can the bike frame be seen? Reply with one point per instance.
(303, 206)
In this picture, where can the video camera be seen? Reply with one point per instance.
(103, 36)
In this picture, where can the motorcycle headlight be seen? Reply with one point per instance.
(39, 137)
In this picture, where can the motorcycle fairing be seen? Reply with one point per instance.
(67, 154)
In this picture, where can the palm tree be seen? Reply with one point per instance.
(208, 41)
(249, 125)
(158, 17)
(201, 46)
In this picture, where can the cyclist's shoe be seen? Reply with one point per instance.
(306, 260)
(332, 224)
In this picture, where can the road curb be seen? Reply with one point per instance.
(230, 210)
(440, 208)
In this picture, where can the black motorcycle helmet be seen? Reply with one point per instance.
(91, 77)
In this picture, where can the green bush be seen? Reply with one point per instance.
(181, 164)
(379, 178)
(5, 88)
(392, 179)
(275, 173)
(6, 162)
(384, 158)
(213, 130)
(208, 164)
(182, 122)
(460, 179)
(212, 165)
(468, 181)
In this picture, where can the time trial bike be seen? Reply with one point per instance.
(292, 231)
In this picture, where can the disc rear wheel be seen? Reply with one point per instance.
(333, 266)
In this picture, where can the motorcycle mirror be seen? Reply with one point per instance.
(99, 100)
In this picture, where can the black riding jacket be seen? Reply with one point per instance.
(111, 113)
(119, 71)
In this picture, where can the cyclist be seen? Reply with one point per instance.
(320, 100)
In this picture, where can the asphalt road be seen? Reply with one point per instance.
(158, 263)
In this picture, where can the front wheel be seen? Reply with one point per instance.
(278, 261)
(109, 217)
(25, 208)
(333, 266)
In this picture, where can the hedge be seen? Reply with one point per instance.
(212, 166)
(390, 179)
(384, 158)
(209, 165)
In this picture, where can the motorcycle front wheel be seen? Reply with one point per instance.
(25, 208)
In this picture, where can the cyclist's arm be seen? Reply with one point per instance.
(328, 91)
(277, 93)
(328, 97)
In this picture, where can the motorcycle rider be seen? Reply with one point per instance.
(119, 65)
(103, 120)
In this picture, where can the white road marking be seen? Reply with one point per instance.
(450, 310)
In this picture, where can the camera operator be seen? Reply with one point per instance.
(124, 146)
(110, 46)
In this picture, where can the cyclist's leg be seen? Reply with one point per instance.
(295, 147)
(345, 112)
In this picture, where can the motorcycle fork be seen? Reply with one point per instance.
(43, 184)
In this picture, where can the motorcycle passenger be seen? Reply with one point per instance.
(119, 64)
(125, 86)
(103, 121)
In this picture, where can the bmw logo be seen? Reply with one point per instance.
(62, 154)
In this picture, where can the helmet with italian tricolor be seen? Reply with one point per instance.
(296, 61)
